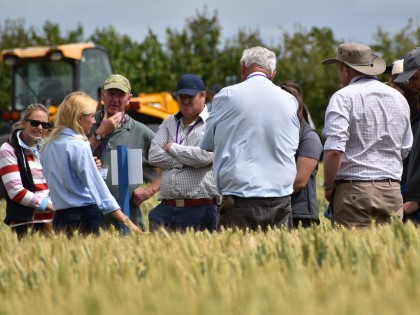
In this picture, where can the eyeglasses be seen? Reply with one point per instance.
(36, 123)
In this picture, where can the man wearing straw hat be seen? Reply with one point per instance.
(367, 126)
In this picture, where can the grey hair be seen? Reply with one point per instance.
(28, 111)
(259, 57)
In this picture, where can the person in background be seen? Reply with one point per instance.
(28, 203)
(79, 194)
(253, 130)
(413, 100)
(114, 127)
(410, 76)
(188, 192)
(214, 89)
(304, 202)
(367, 126)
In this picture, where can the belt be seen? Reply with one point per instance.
(388, 180)
(189, 202)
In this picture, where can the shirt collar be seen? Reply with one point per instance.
(203, 115)
(256, 74)
(71, 132)
(362, 76)
(34, 149)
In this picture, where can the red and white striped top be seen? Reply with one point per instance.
(9, 172)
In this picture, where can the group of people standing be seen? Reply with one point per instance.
(250, 163)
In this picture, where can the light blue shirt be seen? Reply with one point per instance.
(72, 175)
(253, 130)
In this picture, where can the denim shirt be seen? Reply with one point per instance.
(72, 175)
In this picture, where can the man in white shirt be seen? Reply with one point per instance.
(253, 130)
(367, 125)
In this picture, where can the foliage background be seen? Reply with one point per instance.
(153, 66)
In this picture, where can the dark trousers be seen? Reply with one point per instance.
(303, 222)
(254, 212)
(180, 218)
(85, 220)
(23, 230)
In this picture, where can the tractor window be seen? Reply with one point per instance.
(42, 82)
(95, 67)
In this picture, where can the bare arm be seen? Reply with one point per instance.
(332, 161)
(119, 215)
(141, 194)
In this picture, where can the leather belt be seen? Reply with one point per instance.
(189, 202)
(388, 180)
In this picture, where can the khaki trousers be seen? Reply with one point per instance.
(358, 204)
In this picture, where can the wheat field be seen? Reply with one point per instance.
(320, 270)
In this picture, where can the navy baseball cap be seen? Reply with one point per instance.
(411, 65)
(189, 84)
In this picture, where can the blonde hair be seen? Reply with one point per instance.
(27, 113)
(73, 105)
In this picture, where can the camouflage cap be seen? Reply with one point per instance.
(117, 81)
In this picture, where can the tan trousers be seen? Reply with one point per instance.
(358, 204)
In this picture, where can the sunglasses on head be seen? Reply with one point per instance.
(36, 123)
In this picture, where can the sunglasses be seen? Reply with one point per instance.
(36, 123)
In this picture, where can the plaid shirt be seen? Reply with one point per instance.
(187, 169)
(370, 122)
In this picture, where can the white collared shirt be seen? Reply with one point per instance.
(370, 122)
(253, 130)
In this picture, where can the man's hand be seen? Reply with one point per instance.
(167, 146)
(141, 194)
(328, 194)
(410, 206)
(49, 207)
(97, 162)
(109, 124)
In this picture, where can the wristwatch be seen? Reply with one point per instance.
(97, 137)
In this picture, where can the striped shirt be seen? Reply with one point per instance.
(370, 122)
(187, 169)
(9, 172)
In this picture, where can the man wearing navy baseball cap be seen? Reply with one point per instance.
(411, 70)
(411, 76)
(188, 192)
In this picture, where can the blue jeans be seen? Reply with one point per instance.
(180, 218)
(86, 220)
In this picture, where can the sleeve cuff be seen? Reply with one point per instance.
(43, 205)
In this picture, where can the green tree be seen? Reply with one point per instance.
(300, 57)
(125, 54)
(393, 46)
(195, 48)
(155, 73)
(52, 35)
(228, 67)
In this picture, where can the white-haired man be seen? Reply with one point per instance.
(253, 130)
